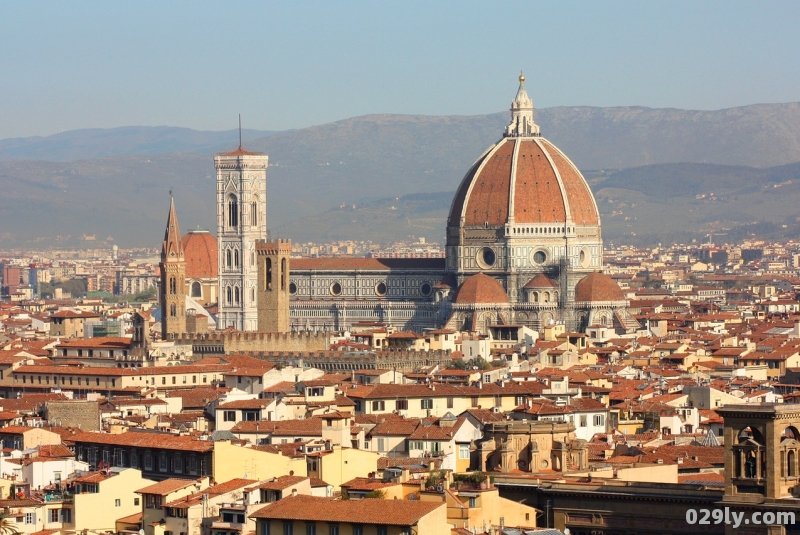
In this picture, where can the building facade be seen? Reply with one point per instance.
(524, 246)
(241, 221)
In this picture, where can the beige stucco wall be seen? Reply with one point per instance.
(99, 511)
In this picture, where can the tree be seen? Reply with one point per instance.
(7, 525)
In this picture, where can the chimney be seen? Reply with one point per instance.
(294, 492)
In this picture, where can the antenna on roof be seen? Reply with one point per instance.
(240, 130)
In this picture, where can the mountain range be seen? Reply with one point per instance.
(656, 173)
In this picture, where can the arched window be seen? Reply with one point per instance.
(173, 310)
(228, 258)
(173, 287)
(253, 295)
(283, 274)
(196, 290)
(268, 280)
(236, 258)
(233, 211)
(236, 296)
(791, 463)
(254, 212)
(229, 295)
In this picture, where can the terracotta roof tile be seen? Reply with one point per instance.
(481, 288)
(365, 511)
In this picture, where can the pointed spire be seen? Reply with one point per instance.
(522, 124)
(172, 247)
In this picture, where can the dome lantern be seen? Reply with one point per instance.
(522, 124)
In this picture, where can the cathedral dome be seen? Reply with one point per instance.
(200, 254)
(523, 180)
(480, 289)
(596, 287)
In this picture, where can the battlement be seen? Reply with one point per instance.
(403, 360)
(279, 246)
(232, 342)
(191, 338)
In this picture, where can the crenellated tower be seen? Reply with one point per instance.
(173, 275)
(273, 285)
(241, 221)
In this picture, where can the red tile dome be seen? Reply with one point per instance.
(524, 180)
(528, 178)
(481, 288)
(596, 287)
(200, 254)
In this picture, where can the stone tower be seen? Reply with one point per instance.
(173, 274)
(241, 221)
(273, 285)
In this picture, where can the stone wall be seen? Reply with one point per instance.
(345, 362)
(253, 342)
(82, 414)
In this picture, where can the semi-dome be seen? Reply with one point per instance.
(523, 179)
(596, 287)
(480, 289)
(200, 254)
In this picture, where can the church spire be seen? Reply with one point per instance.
(172, 247)
(522, 124)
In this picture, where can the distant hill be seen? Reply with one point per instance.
(645, 205)
(90, 143)
(635, 159)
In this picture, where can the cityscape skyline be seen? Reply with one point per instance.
(94, 65)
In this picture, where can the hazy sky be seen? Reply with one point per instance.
(67, 65)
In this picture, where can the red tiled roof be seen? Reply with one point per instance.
(146, 440)
(481, 288)
(597, 287)
(365, 511)
(546, 185)
(98, 342)
(198, 397)
(200, 254)
(210, 492)
(168, 486)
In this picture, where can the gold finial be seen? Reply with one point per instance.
(521, 77)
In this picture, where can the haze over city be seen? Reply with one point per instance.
(466, 268)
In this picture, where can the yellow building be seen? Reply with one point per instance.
(155, 496)
(104, 496)
(337, 465)
(232, 461)
(476, 508)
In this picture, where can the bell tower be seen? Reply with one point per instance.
(273, 285)
(173, 274)
(241, 221)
